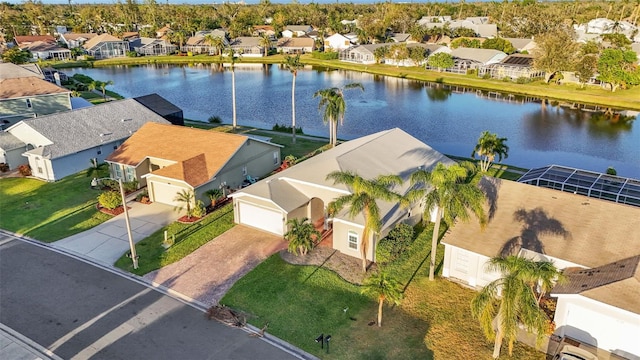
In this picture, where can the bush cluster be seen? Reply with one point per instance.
(109, 199)
(25, 170)
(286, 129)
(394, 244)
(331, 55)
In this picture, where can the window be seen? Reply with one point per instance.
(28, 103)
(276, 158)
(100, 150)
(39, 170)
(130, 173)
(352, 238)
(117, 170)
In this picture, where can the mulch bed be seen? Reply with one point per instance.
(115, 212)
(188, 220)
(347, 267)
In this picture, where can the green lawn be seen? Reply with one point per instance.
(49, 211)
(188, 238)
(301, 302)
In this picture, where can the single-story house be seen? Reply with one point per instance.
(522, 45)
(594, 236)
(65, 143)
(337, 42)
(149, 46)
(24, 93)
(296, 30)
(513, 66)
(429, 49)
(471, 58)
(46, 50)
(22, 41)
(247, 46)
(162, 107)
(198, 44)
(297, 45)
(168, 159)
(106, 46)
(74, 40)
(362, 54)
(259, 30)
(304, 191)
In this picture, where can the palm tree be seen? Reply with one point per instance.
(293, 64)
(232, 60)
(215, 42)
(300, 236)
(177, 36)
(448, 190)
(214, 195)
(103, 87)
(186, 197)
(517, 303)
(265, 42)
(488, 147)
(363, 197)
(384, 287)
(334, 107)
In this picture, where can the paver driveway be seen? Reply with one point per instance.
(209, 272)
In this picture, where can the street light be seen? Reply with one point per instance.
(320, 339)
(132, 246)
(326, 339)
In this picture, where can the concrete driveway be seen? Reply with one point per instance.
(209, 272)
(106, 242)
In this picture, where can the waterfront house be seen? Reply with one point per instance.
(150, 47)
(296, 45)
(74, 40)
(337, 42)
(247, 46)
(106, 46)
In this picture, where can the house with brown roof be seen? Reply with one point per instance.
(47, 51)
(596, 241)
(168, 159)
(296, 45)
(25, 40)
(24, 93)
(198, 43)
(106, 46)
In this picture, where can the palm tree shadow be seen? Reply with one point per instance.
(490, 190)
(536, 223)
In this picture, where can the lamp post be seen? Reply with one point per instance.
(132, 246)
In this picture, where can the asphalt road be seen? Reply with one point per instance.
(80, 311)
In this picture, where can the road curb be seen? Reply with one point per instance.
(27, 344)
(248, 328)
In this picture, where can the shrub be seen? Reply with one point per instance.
(394, 244)
(82, 78)
(25, 170)
(440, 80)
(144, 193)
(472, 72)
(111, 184)
(130, 186)
(486, 76)
(109, 200)
(199, 210)
(4, 167)
(215, 119)
(522, 80)
(132, 54)
(285, 129)
(611, 171)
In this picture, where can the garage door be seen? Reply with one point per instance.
(260, 218)
(164, 193)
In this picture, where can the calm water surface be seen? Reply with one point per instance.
(449, 122)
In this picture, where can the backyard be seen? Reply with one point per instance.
(49, 211)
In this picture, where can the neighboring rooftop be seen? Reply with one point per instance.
(100, 38)
(592, 184)
(199, 154)
(28, 86)
(13, 71)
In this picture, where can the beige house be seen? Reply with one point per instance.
(296, 45)
(303, 190)
(581, 234)
(168, 159)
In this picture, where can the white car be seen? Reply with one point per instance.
(570, 352)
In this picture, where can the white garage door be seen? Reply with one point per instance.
(164, 193)
(261, 218)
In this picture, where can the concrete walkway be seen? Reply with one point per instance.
(106, 242)
(15, 346)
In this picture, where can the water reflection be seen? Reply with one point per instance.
(448, 118)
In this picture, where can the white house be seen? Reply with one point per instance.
(337, 42)
(65, 143)
(296, 30)
(581, 234)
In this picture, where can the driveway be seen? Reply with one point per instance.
(209, 272)
(106, 242)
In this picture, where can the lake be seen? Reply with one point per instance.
(449, 121)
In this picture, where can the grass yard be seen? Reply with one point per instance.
(301, 302)
(49, 211)
(188, 238)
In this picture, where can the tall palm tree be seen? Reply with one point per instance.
(363, 197)
(300, 235)
(511, 300)
(334, 107)
(293, 64)
(488, 147)
(448, 191)
(232, 60)
(178, 36)
(185, 197)
(384, 287)
(215, 42)
(103, 87)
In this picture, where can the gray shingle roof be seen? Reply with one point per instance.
(13, 71)
(386, 152)
(480, 55)
(10, 142)
(77, 130)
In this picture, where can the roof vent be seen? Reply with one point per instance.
(105, 134)
(123, 120)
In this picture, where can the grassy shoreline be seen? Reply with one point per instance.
(622, 99)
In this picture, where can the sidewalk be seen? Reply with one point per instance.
(15, 346)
